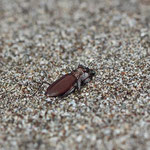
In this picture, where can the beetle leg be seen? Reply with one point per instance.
(45, 83)
(79, 84)
(86, 81)
(40, 86)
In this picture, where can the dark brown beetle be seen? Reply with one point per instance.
(69, 82)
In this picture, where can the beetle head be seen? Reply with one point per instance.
(90, 72)
(83, 73)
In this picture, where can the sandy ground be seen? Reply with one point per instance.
(41, 40)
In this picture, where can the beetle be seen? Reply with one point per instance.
(70, 82)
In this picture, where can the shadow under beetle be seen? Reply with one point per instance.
(69, 82)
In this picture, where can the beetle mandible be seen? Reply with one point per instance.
(69, 82)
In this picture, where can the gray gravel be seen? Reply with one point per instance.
(41, 41)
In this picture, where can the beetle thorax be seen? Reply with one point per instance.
(78, 72)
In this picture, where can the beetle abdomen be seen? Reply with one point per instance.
(61, 86)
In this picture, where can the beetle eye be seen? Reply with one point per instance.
(81, 66)
(87, 70)
(92, 72)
